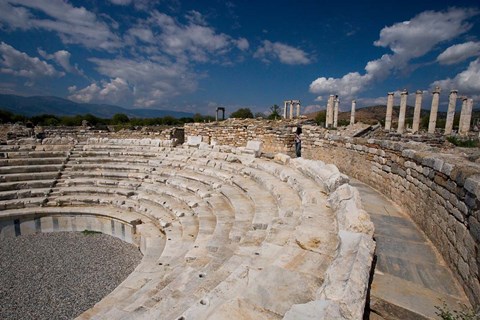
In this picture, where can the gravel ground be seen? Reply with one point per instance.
(60, 275)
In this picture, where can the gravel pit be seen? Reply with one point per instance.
(60, 275)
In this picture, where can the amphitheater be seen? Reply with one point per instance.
(231, 225)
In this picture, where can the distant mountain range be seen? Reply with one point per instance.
(37, 105)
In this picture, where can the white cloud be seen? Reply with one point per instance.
(20, 64)
(459, 52)
(121, 2)
(407, 40)
(416, 37)
(73, 24)
(242, 44)
(114, 91)
(194, 41)
(285, 53)
(150, 83)
(466, 82)
(312, 108)
(62, 58)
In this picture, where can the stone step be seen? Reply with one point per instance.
(31, 168)
(31, 161)
(408, 300)
(24, 193)
(37, 154)
(21, 185)
(15, 177)
(23, 203)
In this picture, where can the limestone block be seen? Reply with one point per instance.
(313, 310)
(194, 140)
(327, 175)
(256, 146)
(282, 158)
(346, 202)
(472, 185)
(346, 280)
(276, 289)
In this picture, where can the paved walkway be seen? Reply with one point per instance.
(410, 277)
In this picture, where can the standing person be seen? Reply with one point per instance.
(298, 142)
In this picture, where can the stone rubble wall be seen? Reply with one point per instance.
(276, 136)
(440, 191)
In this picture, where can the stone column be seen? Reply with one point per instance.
(329, 117)
(284, 109)
(388, 116)
(403, 111)
(465, 116)
(352, 113)
(417, 111)
(452, 101)
(434, 110)
(335, 112)
(291, 109)
(298, 109)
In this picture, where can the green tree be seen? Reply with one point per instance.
(120, 118)
(321, 117)
(259, 115)
(242, 113)
(274, 112)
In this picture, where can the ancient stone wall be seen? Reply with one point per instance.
(276, 136)
(440, 191)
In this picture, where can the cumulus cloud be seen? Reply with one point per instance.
(150, 83)
(114, 90)
(20, 64)
(194, 41)
(62, 58)
(407, 40)
(466, 82)
(73, 24)
(459, 52)
(284, 53)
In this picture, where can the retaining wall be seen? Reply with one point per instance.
(440, 191)
(276, 136)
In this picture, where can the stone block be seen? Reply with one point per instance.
(194, 140)
(313, 310)
(256, 146)
(346, 280)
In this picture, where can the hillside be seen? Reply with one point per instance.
(37, 105)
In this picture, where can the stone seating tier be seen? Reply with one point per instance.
(227, 227)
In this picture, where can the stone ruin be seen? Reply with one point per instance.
(230, 225)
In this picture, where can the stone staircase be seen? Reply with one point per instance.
(223, 233)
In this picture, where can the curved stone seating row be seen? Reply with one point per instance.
(236, 233)
(28, 171)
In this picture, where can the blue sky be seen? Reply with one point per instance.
(197, 55)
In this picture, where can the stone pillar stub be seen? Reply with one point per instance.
(417, 111)
(291, 109)
(403, 111)
(329, 115)
(465, 116)
(352, 113)
(335, 112)
(432, 123)
(388, 116)
(452, 102)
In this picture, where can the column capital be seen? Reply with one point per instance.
(453, 91)
(353, 101)
(404, 92)
(391, 93)
(419, 92)
(436, 90)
